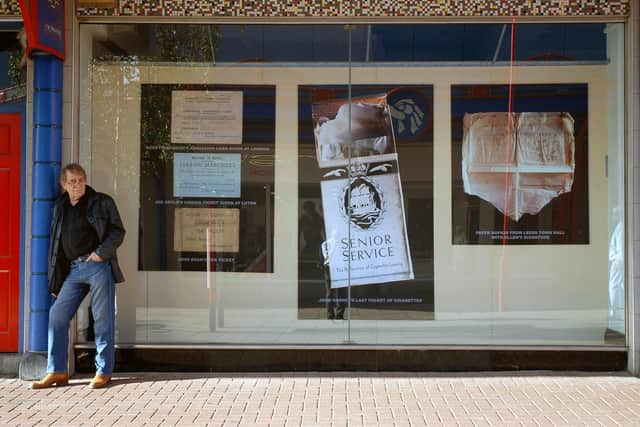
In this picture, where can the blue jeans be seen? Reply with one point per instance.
(84, 276)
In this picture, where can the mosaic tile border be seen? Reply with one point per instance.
(350, 8)
(363, 8)
(10, 8)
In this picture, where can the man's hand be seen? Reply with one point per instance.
(94, 257)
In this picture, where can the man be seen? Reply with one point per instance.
(86, 230)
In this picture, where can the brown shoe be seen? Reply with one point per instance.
(50, 380)
(99, 381)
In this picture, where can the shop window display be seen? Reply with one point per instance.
(282, 192)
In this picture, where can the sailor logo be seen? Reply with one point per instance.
(408, 114)
(364, 202)
(54, 3)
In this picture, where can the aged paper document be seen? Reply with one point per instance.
(207, 175)
(193, 227)
(518, 162)
(206, 117)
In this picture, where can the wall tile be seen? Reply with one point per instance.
(363, 8)
(9, 8)
(353, 8)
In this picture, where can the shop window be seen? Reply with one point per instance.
(474, 201)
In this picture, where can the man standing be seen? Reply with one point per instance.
(86, 230)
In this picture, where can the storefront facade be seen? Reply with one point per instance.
(484, 207)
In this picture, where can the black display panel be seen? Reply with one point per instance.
(207, 177)
(372, 229)
(520, 164)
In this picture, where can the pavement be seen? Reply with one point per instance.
(330, 399)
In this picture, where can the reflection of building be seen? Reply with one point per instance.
(122, 69)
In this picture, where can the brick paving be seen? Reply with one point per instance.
(330, 399)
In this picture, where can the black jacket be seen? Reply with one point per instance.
(103, 216)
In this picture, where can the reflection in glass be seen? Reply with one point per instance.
(376, 43)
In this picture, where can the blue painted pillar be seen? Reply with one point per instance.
(47, 156)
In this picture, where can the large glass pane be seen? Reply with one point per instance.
(199, 158)
(528, 174)
(461, 188)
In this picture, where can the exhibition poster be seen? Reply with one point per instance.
(520, 171)
(361, 193)
(207, 177)
(355, 214)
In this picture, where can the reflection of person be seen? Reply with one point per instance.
(616, 274)
(368, 131)
(335, 297)
(86, 230)
(257, 255)
(311, 228)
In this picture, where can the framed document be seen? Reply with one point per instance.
(206, 175)
(206, 117)
(206, 230)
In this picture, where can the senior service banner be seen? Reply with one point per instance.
(361, 193)
(365, 202)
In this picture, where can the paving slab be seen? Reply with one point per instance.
(330, 399)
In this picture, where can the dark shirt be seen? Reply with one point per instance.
(78, 237)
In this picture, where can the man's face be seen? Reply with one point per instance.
(75, 185)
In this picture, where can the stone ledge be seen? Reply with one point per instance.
(274, 359)
(10, 363)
